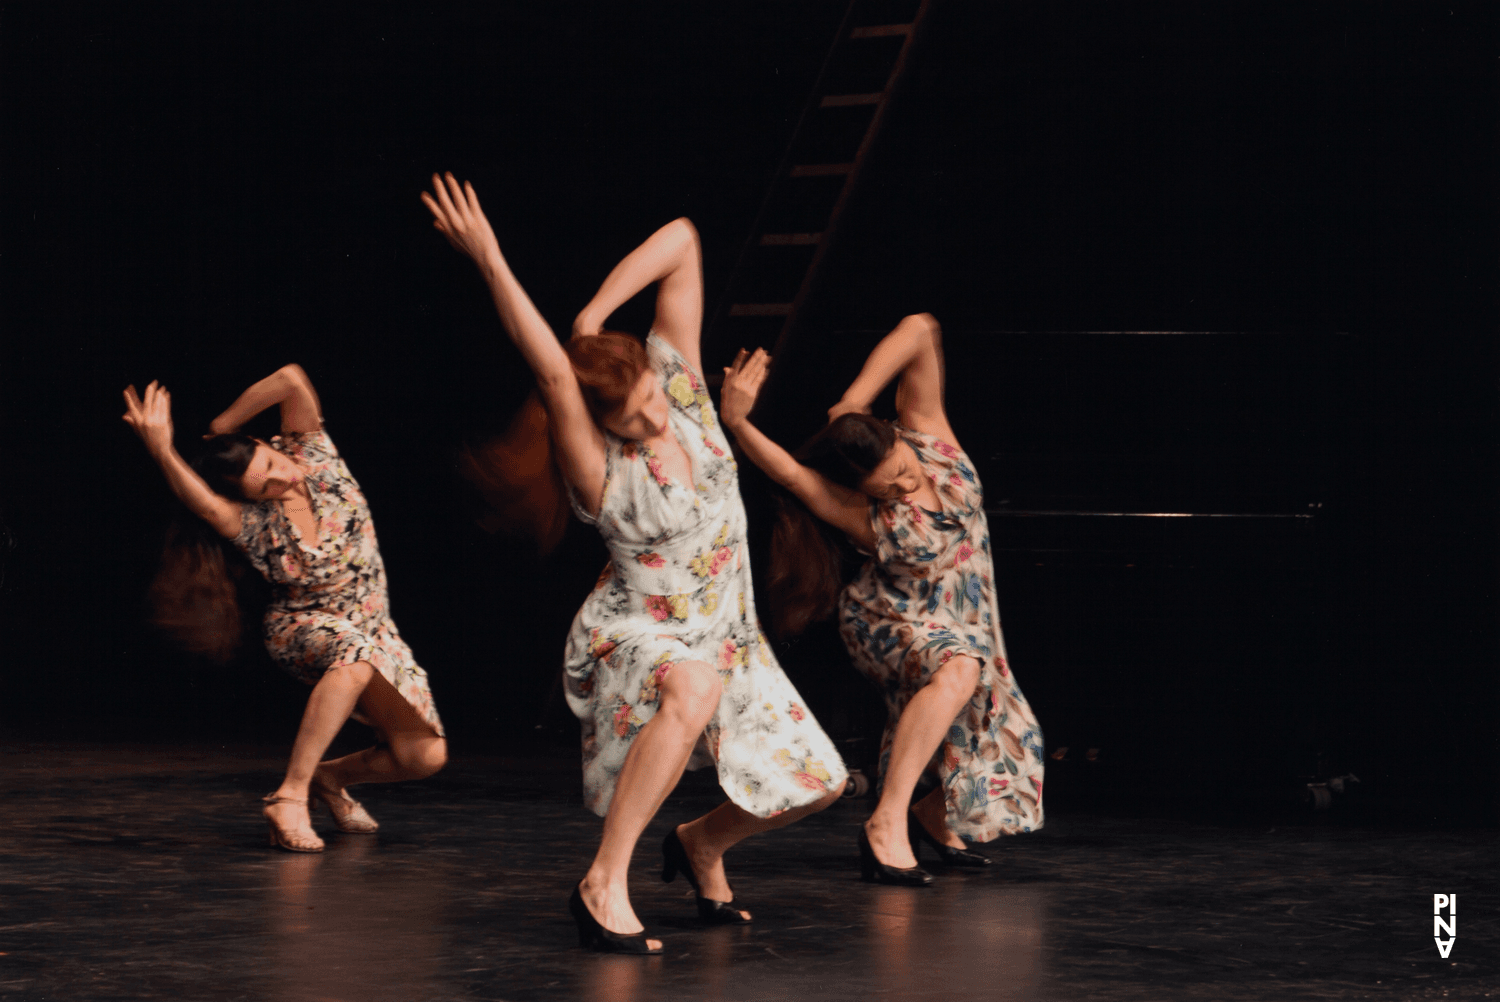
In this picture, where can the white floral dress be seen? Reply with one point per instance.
(329, 604)
(927, 596)
(677, 588)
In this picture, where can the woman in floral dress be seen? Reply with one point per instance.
(293, 509)
(920, 620)
(665, 664)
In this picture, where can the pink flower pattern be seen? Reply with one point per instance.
(678, 588)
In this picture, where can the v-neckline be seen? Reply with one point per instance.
(312, 510)
(686, 454)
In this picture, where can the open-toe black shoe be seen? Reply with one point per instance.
(873, 869)
(917, 832)
(594, 936)
(674, 860)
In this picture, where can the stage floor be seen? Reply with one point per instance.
(143, 873)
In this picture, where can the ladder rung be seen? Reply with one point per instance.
(881, 31)
(788, 239)
(761, 310)
(821, 170)
(845, 100)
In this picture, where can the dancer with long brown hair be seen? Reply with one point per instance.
(294, 511)
(665, 664)
(920, 620)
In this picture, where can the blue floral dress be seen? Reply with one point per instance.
(329, 605)
(677, 588)
(927, 596)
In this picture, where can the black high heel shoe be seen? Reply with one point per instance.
(873, 869)
(916, 832)
(594, 936)
(674, 859)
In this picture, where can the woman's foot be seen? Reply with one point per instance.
(610, 908)
(349, 815)
(595, 937)
(889, 843)
(683, 852)
(872, 869)
(932, 813)
(288, 824)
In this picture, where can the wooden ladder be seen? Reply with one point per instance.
(798, 220)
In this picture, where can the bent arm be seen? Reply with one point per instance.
(151, 419)
(912, 351)
(580, 443)
(838, 506)
(288, 387)
(672, 257)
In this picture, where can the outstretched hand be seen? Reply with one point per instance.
(150, 418)
(742, 383)
(457, 216)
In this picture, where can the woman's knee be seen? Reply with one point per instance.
(959, 677)
(356, 674)
(692, 688)
(420, 756)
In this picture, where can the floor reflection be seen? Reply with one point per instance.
(350, 925)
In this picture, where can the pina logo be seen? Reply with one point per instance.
(1442, 926)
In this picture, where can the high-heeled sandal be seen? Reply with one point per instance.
(289, 839)
(674, 859)
(349, 815)
(873, 869)
(594, 936)
(917, 832)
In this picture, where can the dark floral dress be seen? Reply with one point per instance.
(677, 588)
(329, 606)
(927, 596)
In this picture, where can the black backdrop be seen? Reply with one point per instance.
(201, 194)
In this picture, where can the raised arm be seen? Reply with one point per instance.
(672, 257)
(838, 506)
(151, 419)
(914, 352)
(289, 387)
(580, 443)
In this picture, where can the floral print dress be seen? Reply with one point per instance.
(927, 596)
(677, 588)
(329, 605)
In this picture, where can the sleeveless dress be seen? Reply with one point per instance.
(329, 604)
(928, 595)
(677, 588)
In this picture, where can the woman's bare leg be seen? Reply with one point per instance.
(932, 812)
(410, 748)
(709, 837)
(918, 733)
(689, 696)
(330, 704)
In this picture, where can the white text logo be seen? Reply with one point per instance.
(1444, 926)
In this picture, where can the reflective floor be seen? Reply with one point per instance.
(140, 873)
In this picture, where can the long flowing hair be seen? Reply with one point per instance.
(806, 568)
(203, 585)
(516, 473)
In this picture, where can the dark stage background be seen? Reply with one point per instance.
(201, 193)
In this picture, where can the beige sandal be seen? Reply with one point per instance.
(348, 814)
(290, 839)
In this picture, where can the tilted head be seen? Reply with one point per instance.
(246, 469)
(862, 453)
(619, 386)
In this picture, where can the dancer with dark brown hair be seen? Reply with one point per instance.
(920, 620)
(665, 665)
(292, 508)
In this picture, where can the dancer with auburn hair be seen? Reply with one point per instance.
(920, 620)
(293, 509)
(665, 665)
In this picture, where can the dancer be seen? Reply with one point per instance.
(292, 508)
(920, 620)
(665, 661)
